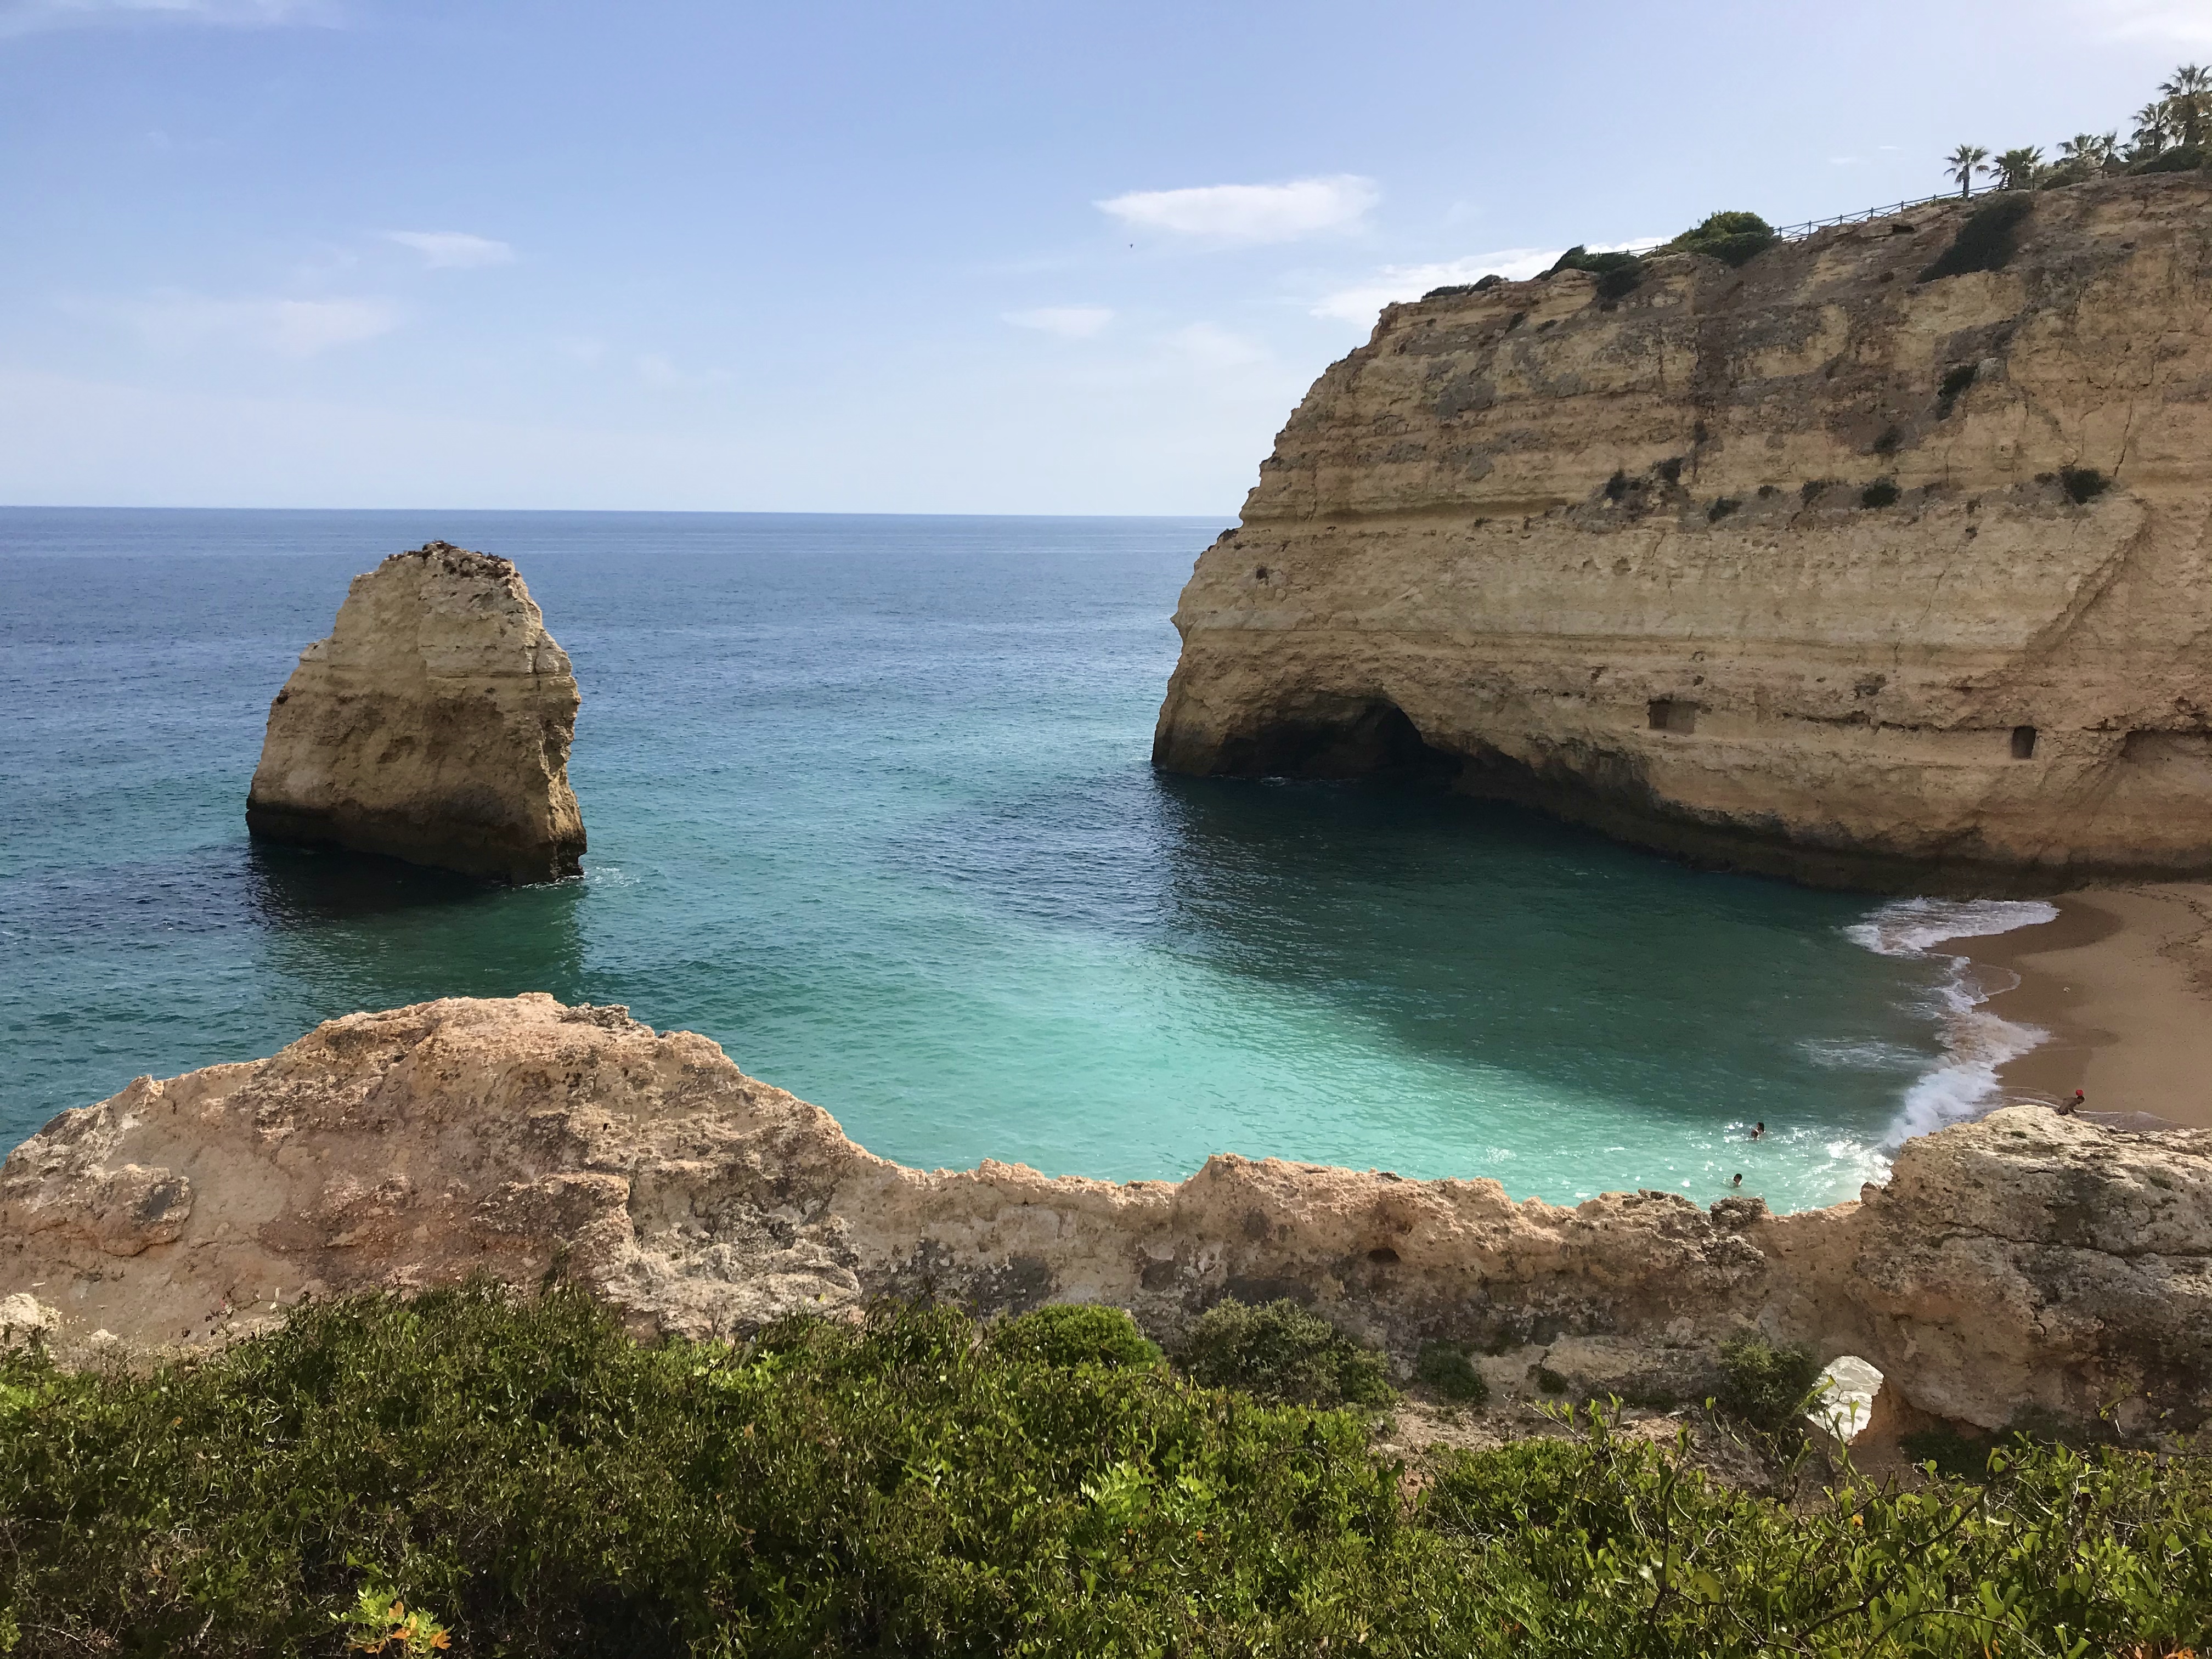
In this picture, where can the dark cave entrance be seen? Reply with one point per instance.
(1337, 737)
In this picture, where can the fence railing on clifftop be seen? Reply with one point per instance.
(1798, 232)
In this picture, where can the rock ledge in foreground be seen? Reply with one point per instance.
(2027, 1269)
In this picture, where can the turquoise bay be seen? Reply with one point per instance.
(869, 804)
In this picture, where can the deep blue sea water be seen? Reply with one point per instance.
(869, 804)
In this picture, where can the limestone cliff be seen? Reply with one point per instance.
(2026, 1266)
(1831, 565)
(433, 724)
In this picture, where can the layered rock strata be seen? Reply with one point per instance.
(1828, 566)
(433, 724)
(2025, 1267)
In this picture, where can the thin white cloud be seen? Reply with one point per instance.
(1211, 346)
(2175, 22)
(660, 371)
(19, 17)
(452, 250)
(1250, 213)
(177, 321)
(1359, 302)
(1069, 322)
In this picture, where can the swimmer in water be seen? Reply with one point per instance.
(1759, 1132)
(1738, 1181)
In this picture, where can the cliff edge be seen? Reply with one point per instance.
(433, 724)
(1884, 560)
(2026, 1269)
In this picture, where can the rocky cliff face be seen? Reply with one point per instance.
(2024, 1268)
(1825, 565)
(433, 724)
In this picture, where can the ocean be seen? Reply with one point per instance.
(869, 804)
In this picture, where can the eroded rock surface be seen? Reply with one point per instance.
(1812, 567)
(433, 724)
(2027, 1266)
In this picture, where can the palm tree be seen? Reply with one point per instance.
(2188, 98)
(2017, 168)
(2087, 155)
(1963, 163)
(2151, 133)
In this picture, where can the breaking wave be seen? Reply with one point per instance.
(1975, 1040)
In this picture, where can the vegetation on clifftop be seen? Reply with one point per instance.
(512, 1479)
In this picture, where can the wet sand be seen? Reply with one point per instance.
(2123, 981)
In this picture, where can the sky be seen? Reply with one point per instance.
(970, 256)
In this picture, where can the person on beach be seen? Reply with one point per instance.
(2069, 1108)
(1759, 1131)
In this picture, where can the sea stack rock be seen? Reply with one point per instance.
(433, 724)
(1884, 560)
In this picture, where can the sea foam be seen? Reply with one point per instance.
(1975, 1041)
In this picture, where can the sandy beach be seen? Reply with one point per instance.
(2122, 979)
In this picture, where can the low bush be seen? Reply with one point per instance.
(1955, 384)
(1882, 492)
(2182, 158)
(1954, 1456)
(1732, 237)
(1986, 240)
(1282, 1354)
(1445, 1367)
(524, 1480)
(1617, 273)
(1550, 1381)
(2082, 484)
(1767, 1387)
(1721, 509)
(1075, 1334)
(1890, 440)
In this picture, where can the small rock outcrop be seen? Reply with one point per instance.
(2024, 1269)
(1857, 564)
(433, 724)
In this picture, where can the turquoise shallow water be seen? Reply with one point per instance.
(869, 804)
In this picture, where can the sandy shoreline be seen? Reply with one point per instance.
(2122, 979)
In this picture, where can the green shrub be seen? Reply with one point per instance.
(2082, 484)
(1766, 1386)
(1550, 1381)
(1617, 274)
(1721, 509)
(1445, 1367)
(531, 1480)
(1955, 384)
(1280, 1353)
(1882, 492)
(1956, 1457)
(1074, 1334)
(1986, 240)
(1733, 237)
(2183, 158)
(1889, 442)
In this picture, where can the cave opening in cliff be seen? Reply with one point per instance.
(2023, 742)
(1324, 737)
